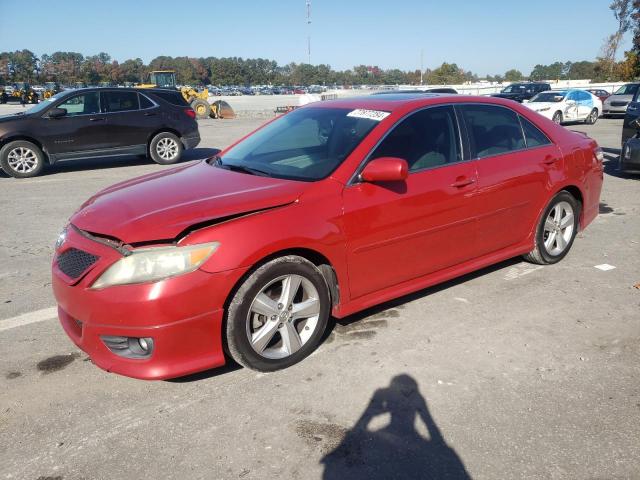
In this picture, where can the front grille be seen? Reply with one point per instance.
(74, 262)
(618, 104)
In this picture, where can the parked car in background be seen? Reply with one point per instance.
(617, 103)
(629, 160)
(522, 91)
(328, 210)
(600, 93)
(567, 106)
(97, 122)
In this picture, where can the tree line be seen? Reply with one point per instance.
(70, 67)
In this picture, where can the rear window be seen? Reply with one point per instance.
(174, 98)
(120, 101)
(493, 130)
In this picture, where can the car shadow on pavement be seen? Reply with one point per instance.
(118, 162)
(228, 367)
(398, 302)
(397, 450)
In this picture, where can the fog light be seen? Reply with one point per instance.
(143, 344)
(129, 347)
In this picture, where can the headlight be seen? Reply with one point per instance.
(544, 109)
(61, 238)
(152, 264)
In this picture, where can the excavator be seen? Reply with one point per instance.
(198, 100)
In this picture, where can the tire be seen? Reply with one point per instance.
(201, 108)
(557, 117)
(260, 305)
(165, 148)
(550, 249)
(21, 159)
(592, 118)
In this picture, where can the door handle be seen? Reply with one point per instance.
(150, 114)
(549, 160)
(97, 119)
(462, 182)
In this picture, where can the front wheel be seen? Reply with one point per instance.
(165, 148)
(592, 118)
(556, 230)
(21, 159)
(557, 118)
(279, 314)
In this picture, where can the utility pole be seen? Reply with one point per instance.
(421, 64)
(309, 32)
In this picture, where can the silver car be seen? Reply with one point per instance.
(617, 103)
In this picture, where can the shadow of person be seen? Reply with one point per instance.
(398, 450)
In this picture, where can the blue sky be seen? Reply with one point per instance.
(486, 37)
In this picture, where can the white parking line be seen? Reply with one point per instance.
(27, 318)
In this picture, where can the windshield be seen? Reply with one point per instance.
(306, 144)
(549, 97)
(629, 89)
(516, 88)
(46, 103)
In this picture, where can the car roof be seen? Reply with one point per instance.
(391, 102)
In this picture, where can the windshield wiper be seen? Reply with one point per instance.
(217, 162)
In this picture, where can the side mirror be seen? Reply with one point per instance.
(57, 112)
(385, 169)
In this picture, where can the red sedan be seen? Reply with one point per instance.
(600, 93)
(325, 211)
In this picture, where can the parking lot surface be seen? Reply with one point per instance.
(515, 371)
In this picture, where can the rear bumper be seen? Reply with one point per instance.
(191, 141)
(614, 110)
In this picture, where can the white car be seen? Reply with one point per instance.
(567, 106)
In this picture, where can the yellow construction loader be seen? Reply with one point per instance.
(199, 101)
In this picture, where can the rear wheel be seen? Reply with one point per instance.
(557, 117)
(165, 148)
(592, 118)
(556, 230)
(201, 107)
(279, 314)
(21, 159)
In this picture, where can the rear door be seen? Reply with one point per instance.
(131, 118)
(81, 129)
(515, 162)
(398, 231)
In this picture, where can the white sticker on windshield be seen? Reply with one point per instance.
(376, 115)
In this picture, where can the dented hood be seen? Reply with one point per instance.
(160, 206)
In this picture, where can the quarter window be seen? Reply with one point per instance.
(533, 135)
(84, 104)
(145, 102)
(120, 101)
(493, 130)
(428, 138)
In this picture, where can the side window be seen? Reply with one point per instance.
(572, 96)
(145, 102)
(532, 134)
(428, 138)
(120, 101)
(493, 130)
(84, 104)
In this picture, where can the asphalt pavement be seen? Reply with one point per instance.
(515, 371)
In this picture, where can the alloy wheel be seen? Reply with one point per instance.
(558, 228)
(22, 160)
(283, 316)
(167, 148)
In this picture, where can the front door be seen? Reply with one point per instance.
(81, 129)
(398, 231)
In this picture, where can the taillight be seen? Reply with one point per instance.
(190, 112)
(599, 154)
